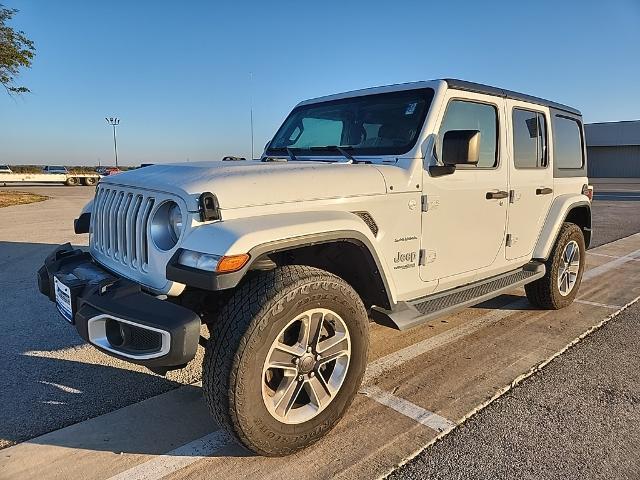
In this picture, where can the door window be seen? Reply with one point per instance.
(529, 139)
(467, 115)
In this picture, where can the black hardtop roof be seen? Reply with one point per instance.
(501, 92)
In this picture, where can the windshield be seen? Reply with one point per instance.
(380, 124)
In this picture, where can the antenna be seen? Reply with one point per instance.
(251, 109)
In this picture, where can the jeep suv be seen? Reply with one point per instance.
(397, 204)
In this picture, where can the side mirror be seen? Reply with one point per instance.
(461, 147)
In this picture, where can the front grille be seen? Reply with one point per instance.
(119, 225)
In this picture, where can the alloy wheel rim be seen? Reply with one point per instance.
(569, 268)
(306, 366)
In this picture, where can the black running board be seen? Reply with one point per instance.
(409, 314)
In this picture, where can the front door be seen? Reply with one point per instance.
(531, 177)
(463, 227)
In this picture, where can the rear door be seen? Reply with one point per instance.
(530, 177)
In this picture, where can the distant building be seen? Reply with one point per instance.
(613, 149)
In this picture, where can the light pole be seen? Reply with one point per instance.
(251, 108)
(114, 122)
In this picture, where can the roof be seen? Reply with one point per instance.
(501, 92)
(373, 91)
(451, 83)
(610, 134)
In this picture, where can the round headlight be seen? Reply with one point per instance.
(166, 225)
(175, 221)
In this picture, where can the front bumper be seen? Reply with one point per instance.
(116, 316)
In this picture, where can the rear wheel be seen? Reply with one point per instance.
(89, 181)
(72, 181)
(559, 286)
(286, 357)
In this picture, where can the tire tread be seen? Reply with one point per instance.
(542, 292)
(245, 311)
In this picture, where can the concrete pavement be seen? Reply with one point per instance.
(419, 384)
(578, 418)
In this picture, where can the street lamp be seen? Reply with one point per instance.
(114, 122)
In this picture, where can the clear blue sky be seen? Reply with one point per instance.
(177, 73)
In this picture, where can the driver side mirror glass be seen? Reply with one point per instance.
(461, 147)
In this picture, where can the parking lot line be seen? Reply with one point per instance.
(176, 459)
(392, 360)
(610, 256)
(408, 409)
(597, 304)
(615, 263)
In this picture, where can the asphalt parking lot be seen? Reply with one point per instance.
(52, 381)
(50, 378)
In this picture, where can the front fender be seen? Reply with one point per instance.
(271, 233)
(558, 212)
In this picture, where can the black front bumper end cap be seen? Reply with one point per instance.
(98, 292)
(82, 223)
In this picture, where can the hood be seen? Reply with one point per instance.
(250, 183)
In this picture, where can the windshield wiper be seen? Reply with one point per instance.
(292, 157)
(321, 148)
(289, 151)
(335, 148)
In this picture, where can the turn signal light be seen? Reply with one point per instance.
(232, 263)
(588, 191)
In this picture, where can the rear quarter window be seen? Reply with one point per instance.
(567, 143)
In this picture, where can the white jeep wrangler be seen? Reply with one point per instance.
(398, 203)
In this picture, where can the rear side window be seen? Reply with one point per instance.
(466, 115)
(567, 143)
(529, 139)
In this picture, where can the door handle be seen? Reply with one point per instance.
(544, 191)
(497, 195)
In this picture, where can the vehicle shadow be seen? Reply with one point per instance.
(507, 301)
(51, 379)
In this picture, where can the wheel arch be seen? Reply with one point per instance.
(338, 242)
(565, 208)
(347, 254)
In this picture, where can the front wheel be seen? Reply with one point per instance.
(559, 286)
(286, 357)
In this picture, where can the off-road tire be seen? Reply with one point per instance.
(239, 342)
(544, 292)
